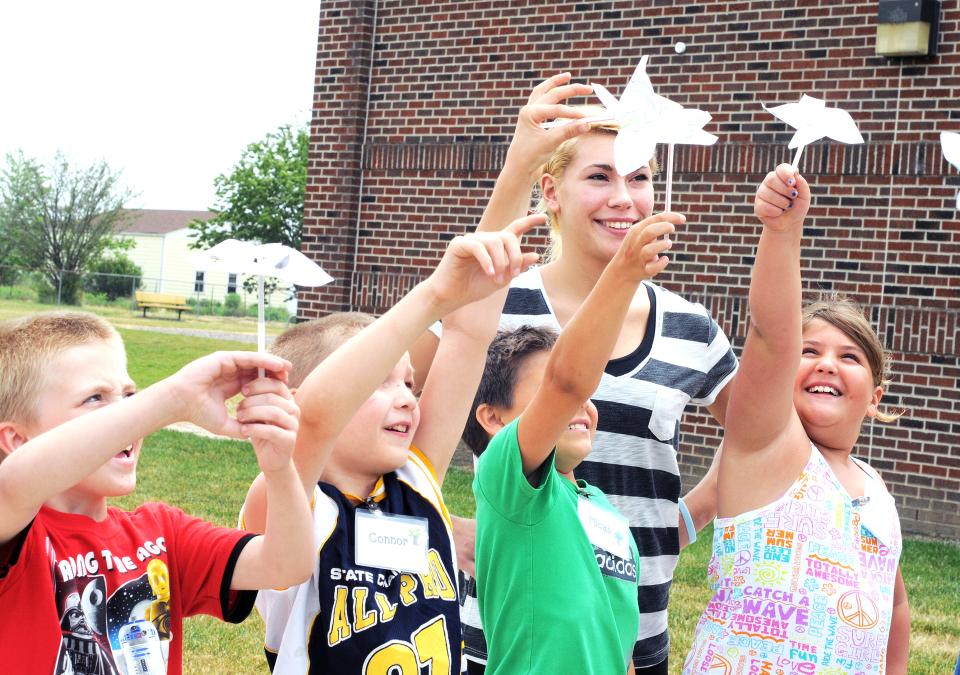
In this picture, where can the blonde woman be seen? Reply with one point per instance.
(669, 352)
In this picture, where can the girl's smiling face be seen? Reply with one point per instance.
(594, 205)
(834, 388)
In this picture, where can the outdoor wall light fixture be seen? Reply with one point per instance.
(908, 27)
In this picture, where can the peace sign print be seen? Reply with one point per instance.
(720, 666)
(857, 610)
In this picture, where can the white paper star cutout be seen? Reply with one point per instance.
(813, 120)
(645, 119)
(269, 260)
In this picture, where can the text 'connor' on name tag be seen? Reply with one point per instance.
(391, 542)
(605, 529)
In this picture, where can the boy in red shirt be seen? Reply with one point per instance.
(87, 588)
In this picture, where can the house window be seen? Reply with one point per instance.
(232, 283)
(198, 282)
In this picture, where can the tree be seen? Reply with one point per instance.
(59, 220)
(262, 197)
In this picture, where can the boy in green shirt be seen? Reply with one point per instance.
(556, 564)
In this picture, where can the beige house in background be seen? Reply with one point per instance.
(162, 250)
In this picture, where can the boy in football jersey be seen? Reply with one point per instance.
(556, 563)
(372, 456)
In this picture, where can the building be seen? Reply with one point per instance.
(415, 102)
(162, 250)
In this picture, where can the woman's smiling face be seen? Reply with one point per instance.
(595, 206)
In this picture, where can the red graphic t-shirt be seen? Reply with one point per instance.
(69, 585)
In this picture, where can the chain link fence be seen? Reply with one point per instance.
(64, 287)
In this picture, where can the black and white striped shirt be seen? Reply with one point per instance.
(634, 457)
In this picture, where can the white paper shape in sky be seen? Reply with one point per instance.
(269, 260)
(645, 119)
(262, 260)
(950, 142)
(813, 120)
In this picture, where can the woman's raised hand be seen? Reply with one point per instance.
(532, 144)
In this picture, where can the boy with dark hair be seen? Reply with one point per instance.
(80, 582)
(557, 567)
(506, 359)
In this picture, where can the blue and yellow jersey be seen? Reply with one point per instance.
(349, 618)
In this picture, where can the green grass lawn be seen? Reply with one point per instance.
(208, 478)
(152, 356)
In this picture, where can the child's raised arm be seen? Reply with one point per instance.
(452, 371)
(458, 365)
(772, 350)
(578, 358)
(761, 422)
(473, 266)
(40, 468)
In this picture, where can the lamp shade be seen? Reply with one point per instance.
(908, 27)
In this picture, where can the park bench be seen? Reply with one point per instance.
(146, 300)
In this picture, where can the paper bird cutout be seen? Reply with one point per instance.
(646, 119)
(262, 260)
(813, 120)
(269, 260)
(950, 142)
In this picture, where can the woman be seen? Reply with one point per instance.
(670, 352)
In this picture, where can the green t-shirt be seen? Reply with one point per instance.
(550, 601)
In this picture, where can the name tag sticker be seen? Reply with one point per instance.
(605, 529)
(878, 513)
(391, 542)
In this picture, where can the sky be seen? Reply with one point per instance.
(168, 92)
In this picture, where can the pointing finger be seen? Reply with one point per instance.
(523, 225)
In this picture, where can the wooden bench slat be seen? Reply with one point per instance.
(145, 300)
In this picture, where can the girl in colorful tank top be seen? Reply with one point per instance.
(807, 540)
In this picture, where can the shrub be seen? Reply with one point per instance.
(269, 313)
(205, 306)
(233, 305)
(115, 277)
(20, 292)
(95, 299)
(9, 275)
(68, 293)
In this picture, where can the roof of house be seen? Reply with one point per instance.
(158, 221)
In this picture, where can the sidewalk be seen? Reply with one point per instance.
(199, 332)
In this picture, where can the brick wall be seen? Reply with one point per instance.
(415, 102)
